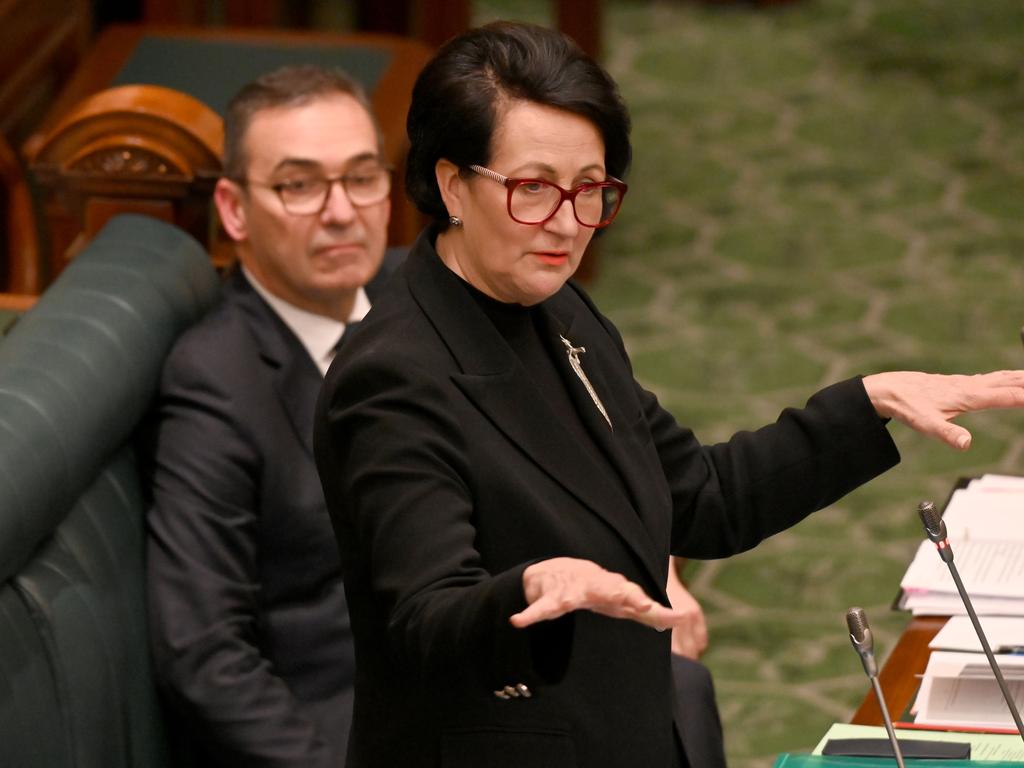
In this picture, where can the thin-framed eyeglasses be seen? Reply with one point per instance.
(534, 201)
(307, 194)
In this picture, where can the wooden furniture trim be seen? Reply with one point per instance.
(17, 302)
(152, 112)
(22, 245)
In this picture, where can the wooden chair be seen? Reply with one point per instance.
(130, 149)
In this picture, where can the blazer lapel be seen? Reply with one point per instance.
(603, 367)
(295, 376)
(493, 378)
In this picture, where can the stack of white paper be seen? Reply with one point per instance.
(985, 523)
(1005, 635)
(959, 690)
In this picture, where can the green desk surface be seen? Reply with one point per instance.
(214, 70)
(819, 761)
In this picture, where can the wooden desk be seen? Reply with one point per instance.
(899, 677)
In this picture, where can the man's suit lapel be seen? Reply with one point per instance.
(494, 379)
(295, 376)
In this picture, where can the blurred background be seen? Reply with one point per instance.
(821, 189)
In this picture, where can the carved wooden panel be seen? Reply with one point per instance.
(127, 161)
(137, 148)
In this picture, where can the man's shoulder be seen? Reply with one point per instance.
(223, 327)
(221, 343)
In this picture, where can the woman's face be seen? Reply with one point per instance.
(509, 261)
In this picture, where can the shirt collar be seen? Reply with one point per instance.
(319, 334)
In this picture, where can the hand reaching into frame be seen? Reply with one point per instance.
(561, 585)
(927, 402)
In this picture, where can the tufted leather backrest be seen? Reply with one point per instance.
(77, 373)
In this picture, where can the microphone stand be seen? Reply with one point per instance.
(887, 720)
(936, 530)
(863, 644)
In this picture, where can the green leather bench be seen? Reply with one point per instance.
(77, 373)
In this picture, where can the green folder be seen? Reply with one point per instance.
(821, 761)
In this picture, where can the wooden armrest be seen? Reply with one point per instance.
(17, 302)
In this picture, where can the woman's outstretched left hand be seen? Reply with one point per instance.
(927, 402)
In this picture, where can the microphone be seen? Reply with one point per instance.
(863, 644)
(935, 527)
(936, 530)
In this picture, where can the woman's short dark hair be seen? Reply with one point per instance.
(456, 98)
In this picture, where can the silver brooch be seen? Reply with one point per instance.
(574, 360)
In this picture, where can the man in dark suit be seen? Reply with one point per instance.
(249, 622)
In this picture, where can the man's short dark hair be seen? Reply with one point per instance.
(289, 86)
(456, 101)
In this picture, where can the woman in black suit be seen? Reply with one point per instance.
(504, 493)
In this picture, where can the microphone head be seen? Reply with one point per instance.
(860, 632)
(860, 636)
(933, 525)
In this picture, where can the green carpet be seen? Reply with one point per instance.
(822, 189)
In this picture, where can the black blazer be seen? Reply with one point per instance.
(446, 474)
(249, 623)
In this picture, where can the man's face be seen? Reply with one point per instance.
(315, 261)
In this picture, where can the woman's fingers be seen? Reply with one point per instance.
(562, 585)
(544, 609)
(928, 402)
